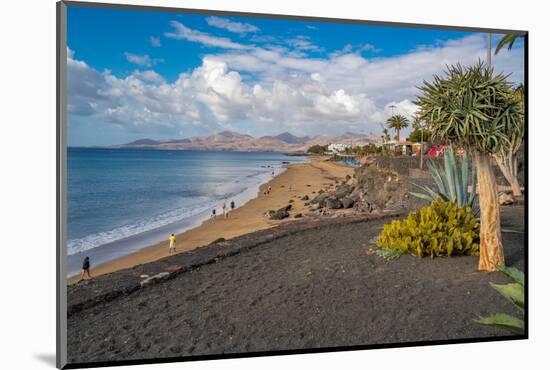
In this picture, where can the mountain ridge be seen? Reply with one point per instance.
(234, 141)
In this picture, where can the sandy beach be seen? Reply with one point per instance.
(298, 180)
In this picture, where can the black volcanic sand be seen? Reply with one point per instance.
(315, 288)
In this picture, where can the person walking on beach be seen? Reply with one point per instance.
(172, 241)
(224, 208)
(85, 268)
(213, 213)
(232, 205)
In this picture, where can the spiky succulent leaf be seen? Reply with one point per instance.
(513, 292)
(505, 321)
(513, 273)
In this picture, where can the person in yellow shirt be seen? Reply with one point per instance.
(172, 240)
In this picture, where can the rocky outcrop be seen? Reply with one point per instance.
(381, 188)
(372, 187)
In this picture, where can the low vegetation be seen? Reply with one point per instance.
(388, 254)
(515, 293)
(452, 182)
(318, 149)
(440, 229)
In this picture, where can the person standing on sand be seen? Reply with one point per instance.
(232, 205)
(213, 213)
(172, 240)
(224, 208)
(85, 268)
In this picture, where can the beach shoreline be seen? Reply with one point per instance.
(289, 187)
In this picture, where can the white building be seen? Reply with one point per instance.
(338, 148)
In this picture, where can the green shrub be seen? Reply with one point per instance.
(440, 229)
(219, 240)
(388, 254)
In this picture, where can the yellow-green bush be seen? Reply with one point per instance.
(440, 229)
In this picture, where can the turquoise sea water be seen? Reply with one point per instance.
(121, 200)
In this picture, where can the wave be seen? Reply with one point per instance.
(241, 190)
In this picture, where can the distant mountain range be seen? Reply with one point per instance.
(233, 141)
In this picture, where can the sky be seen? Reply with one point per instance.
(133, 74)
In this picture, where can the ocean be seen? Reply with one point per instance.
(121, 200)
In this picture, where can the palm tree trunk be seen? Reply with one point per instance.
(491, 252)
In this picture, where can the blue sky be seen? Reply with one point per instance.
(135, 74)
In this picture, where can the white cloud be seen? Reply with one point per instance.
(155, 41)
(149, 76)
(231, 26)
(185, 33)
(303, 43)
(270, 90)
(141, 60)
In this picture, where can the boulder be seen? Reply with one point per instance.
(342, 191)
(320, 199)
(333, 203)
(347, 202)
(280, 213)
(505, 199)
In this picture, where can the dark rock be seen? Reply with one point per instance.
(291, 201)
(305, 197)
(298, 215)
(342, 191)
(347, 202)
(320, 199)
(277, 215)
(280, 213)
(333, 203)
(380, 188)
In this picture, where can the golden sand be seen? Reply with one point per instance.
(298, 180)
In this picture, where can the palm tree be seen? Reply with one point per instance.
(398, 123)
(385, 135)
(507, 40)
(475, 109)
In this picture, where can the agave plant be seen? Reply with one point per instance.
(452, 183)
(515, 293)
